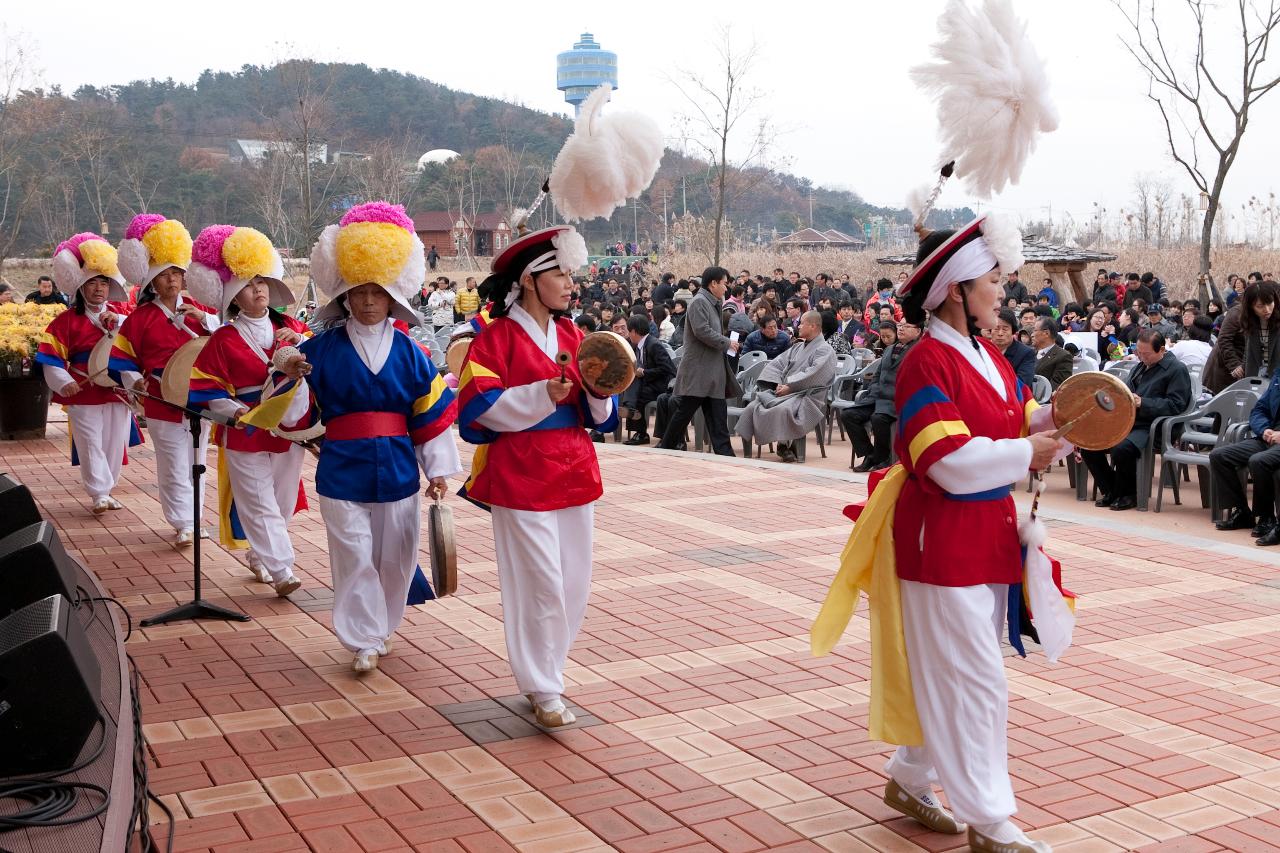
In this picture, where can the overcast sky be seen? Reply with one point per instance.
(834, 74)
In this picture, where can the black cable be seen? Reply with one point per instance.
(50, 798)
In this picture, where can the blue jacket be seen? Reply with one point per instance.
(1051, 294)
(1023, 360)
(1266, 412)
(772, 348)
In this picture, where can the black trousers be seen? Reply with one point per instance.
(1264, 463)
(1117, 477)
(636, 421)
(715, 411)
(878, 444)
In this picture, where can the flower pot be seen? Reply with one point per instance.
(24, 407)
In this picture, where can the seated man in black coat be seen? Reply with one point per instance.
(1020, 356)
(1052, 361)
(1162, 387)
(654, 372)
(875, 408)
(1261, 454)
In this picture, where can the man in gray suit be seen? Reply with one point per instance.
(704, 378)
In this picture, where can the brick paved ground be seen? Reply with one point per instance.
(707, 725)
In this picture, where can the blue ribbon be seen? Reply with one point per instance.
(989, 495)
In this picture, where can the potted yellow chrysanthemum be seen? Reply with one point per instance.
(24, 397)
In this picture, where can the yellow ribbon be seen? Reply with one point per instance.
(868, 565)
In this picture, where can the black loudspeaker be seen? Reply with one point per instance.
(49, 684)
(17, 508)
(33, 566)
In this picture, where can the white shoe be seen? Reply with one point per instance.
(100, 506)
(287, 587)
(112, 503)
(204, 533)
(184, 539)
(553, 714)
(365, 662)
(386, 647)
(257, 570)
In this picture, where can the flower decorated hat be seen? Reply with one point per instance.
(225, 258)
(151, 245)
(86, 256)
(374, 243)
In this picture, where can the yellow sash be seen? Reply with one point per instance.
(868, 565)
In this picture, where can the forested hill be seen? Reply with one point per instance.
(75, 161)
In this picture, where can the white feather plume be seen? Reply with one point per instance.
(571, 250)
(992, 93)
(607, 160)
(1005, 241)
(516, 217)
(917, 198)
(134, 261)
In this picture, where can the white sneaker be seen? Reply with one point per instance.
(204, 533)
(100, 506)
(112, 503)
(184, 539)
(365, 662)
(287, 586)
(386, 647)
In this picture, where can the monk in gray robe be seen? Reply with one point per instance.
(793, 390)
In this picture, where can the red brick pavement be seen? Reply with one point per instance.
(707, 724)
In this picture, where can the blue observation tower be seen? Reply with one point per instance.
(583, 69)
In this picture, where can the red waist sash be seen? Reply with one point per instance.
(366, 425)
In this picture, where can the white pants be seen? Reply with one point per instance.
(265, 488)
(172, 443)
(953, 639)
(544, 575)
(373, 549)
(101, 434)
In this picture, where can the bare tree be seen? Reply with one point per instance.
(514, 174)
(90, 139)
(1220, 119)
(16, 139)
(723, 105)
(388, 173)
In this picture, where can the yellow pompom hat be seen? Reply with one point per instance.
(87, 256)
(225, 258)
(373, 244)
(151, 245)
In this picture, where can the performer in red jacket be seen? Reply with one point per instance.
(156, 253)
(536, 466)
(965, 433)
(259, 474)
(100, 421)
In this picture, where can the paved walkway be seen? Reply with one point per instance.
(706, 723)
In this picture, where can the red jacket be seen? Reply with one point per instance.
(67, 343)
(941, 538)
(229, 368)
(145, 343)
(550, 466)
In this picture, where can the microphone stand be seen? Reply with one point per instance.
(197, 607)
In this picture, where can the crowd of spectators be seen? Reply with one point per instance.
(1173, 348)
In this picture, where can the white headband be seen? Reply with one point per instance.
(542, 263)
(971, 260)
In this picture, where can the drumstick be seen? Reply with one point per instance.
(562, 359)
(89, 377)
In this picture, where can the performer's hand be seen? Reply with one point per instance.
(69, 390)
(140, 385)
(287, 336)
(296, 367)
(240, 413)
(437, 487)
(109, 319)
(558, 389)
(190, 310)
(1043, 448)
